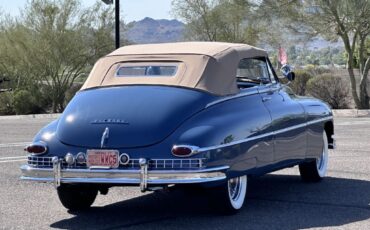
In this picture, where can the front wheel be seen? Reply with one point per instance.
(315, 171)
(229, 197)
(75, 197)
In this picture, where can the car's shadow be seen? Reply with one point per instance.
(274, 202)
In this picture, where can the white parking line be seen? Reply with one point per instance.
(4, 145)
(12, 161)
(8, 158)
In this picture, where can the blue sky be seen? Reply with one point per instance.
(131, 9)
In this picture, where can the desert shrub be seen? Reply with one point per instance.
(43, 98)
(25, 102)
(299, 85)
(6, 103)
(72, 91)
(316, 70)
(330, 89)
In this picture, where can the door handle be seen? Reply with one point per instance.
(266, 99)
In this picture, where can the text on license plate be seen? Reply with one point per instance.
(103, 158)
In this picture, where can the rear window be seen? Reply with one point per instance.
(146, 70)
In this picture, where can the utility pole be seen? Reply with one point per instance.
(117, 23)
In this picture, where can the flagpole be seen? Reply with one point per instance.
(278, 58)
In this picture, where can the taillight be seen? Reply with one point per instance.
(184, 150)
(36, 148)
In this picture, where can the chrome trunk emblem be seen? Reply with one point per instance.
(109, 121)
(104, 137)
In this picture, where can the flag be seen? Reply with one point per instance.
(283, 57)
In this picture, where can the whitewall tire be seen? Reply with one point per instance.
(314, 171)
(229, 197)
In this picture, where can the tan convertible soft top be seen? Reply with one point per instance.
(208, 66)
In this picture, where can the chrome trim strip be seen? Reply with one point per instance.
(290, 128)
(126, 171)
(320, 120)
(204, 149)
(124, 176)
(242, 94)
(267, 88)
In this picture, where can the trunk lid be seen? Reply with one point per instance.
(136, 116)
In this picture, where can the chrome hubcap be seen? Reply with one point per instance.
(237, 188)
(234, 188)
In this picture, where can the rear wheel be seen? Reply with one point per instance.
(314, 171)
(229, 197)
(75, 197)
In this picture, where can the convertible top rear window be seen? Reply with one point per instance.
(146, 70)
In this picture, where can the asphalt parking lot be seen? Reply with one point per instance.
(275, 201)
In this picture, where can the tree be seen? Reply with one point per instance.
(219, 20)
(332, 19)
(53, 44)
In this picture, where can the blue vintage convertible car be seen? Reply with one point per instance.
(158, 115)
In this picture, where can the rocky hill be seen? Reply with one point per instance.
(150, 30)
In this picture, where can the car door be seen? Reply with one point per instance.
(256, 116)
(287, 119)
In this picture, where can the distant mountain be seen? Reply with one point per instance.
(150, 30)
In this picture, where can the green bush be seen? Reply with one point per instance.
(6, 104)
(72, 91)
(43, 99)
(299, 85)
(315, 70)
(330, 89)
(25, 102)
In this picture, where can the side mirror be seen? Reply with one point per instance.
(287, 71)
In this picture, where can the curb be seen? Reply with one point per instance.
(31, 116)
(351, 113)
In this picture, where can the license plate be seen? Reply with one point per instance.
(102, 158)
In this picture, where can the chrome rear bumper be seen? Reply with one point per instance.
(142, 177)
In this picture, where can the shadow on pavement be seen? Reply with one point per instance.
(274, 202)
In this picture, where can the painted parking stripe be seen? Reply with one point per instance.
(10, 158)
(8, 161)
(23, 144)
